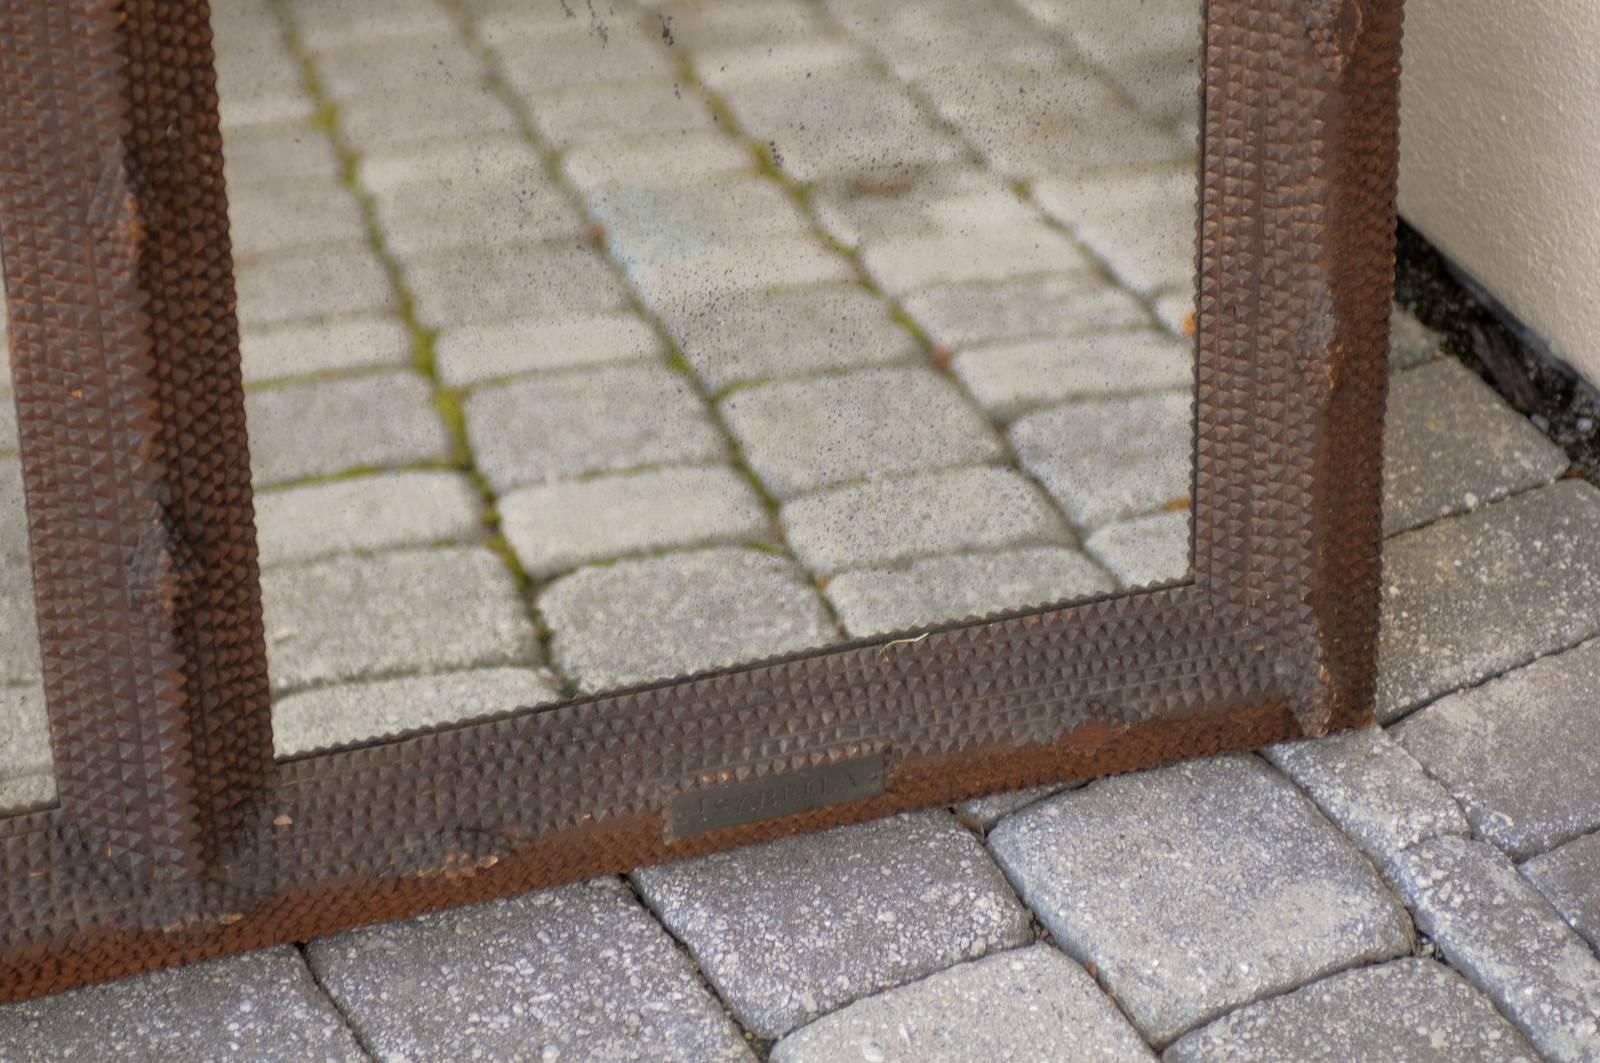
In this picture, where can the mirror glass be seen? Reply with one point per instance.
(591, 343)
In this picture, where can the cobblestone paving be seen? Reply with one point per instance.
(828, 268)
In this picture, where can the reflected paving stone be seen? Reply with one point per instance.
(303, 348)
(571, 424)
(555, 527)
(801, 435)
(1010, 379)
(1569, 878)
(27, 772)
(990, 255)
(1111, 459)
(505, 283)
(1145, 550)
(1141, 223)
(1470, 597)
(663, 617)
(579, 972)
(889, 521)
(1497, 930)
(260, 1005)
(289, 215)
(1451, 445)
(1373, 790)
(323, 427)
(356, 712)
(277, 152)
(797, 927)
(1414, 1010)
(472, 354)
(1031, 1003)
(330, 282)
(405, 612)
(1521, 753)
(1060, 304)
(944, 589)
(618, 111)
(434, 113)
(740, 337)
(365, 514)
(1199, 887)
(1411, 343)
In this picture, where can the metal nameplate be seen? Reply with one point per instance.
(735, 804)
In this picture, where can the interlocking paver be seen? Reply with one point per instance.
(1198, 887)
(324, 282)
(432, 113)
(1054, 304)
(890, 521)
(507, 282)
(259, 83)
(1145, 550)
(27, 775)
(654, 224)
(668, 616)
(391, 169)
(555, 527)
(545, 428)
(572, 54)
(19, 632)
(397, 613)
(292, 215)
(707, 25)
(944, 589)
(658, 159)
(618, 111)
(424, 220)
(1112, 459)
(365, 514)
(903, 265)
(1497, 930)
(304, 348)
(803, 435)
(471, 354)
(1414, 1010)
(675, 283)
(797, 927)
(8, 420)
(743, 337)
(395, 66)
(321, 427)
(1451, 445)
(260, 1006)
(1373, 790)
(1142, 224)
(1012, 378)
(1569, 878)
(358, 712)
(1031, 1003)
(1521, 752)
(351, 22)
(1470, 597)
(580, 972)
(907, 202)
(981, 813)
(276, 152)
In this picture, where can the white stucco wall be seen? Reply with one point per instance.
(1500, 155)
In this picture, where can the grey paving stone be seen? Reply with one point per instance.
(618, 111)
(326, 282)
(277, 152)
(8, 420)
(406, 175)
(546, 428)
(267, 218)
(670, 220)
(1569, 878)
(1141, 224)
(555, 527)
(1177, 314)
(260, 1005)
(405, 612)
(794, 928)
(999, 254)
(1053, 132)
(799, 436)
(943, 589)
(982, 813)
(432, 112)
(27, 773)
(1495, 928)
(322, 427)
(1373, 790)
(352, 22)
(656, 160)
(1145, 550)
(1474, 596)
(481, 285)
(1451, 445)
(580, 972)
(571, 54)
(1411, 1010)
(676, 283)
(1411, 343)
(1012, 378)
(1111, 459)
(1197, 888)
(890, 521)
(707, 25)
(1056, 304)
(1521, 752)
(740, 337)
(303, 348)
(905, 202)
(396, 65)
(472, 354)
(365, 514)
(260, 84)
(19, 631)
(661, 617)
(442, 213)
(355, 712)
(1030, 1003)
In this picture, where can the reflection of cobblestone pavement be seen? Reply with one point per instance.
(554, 348)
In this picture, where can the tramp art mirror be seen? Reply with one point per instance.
(658, 428)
